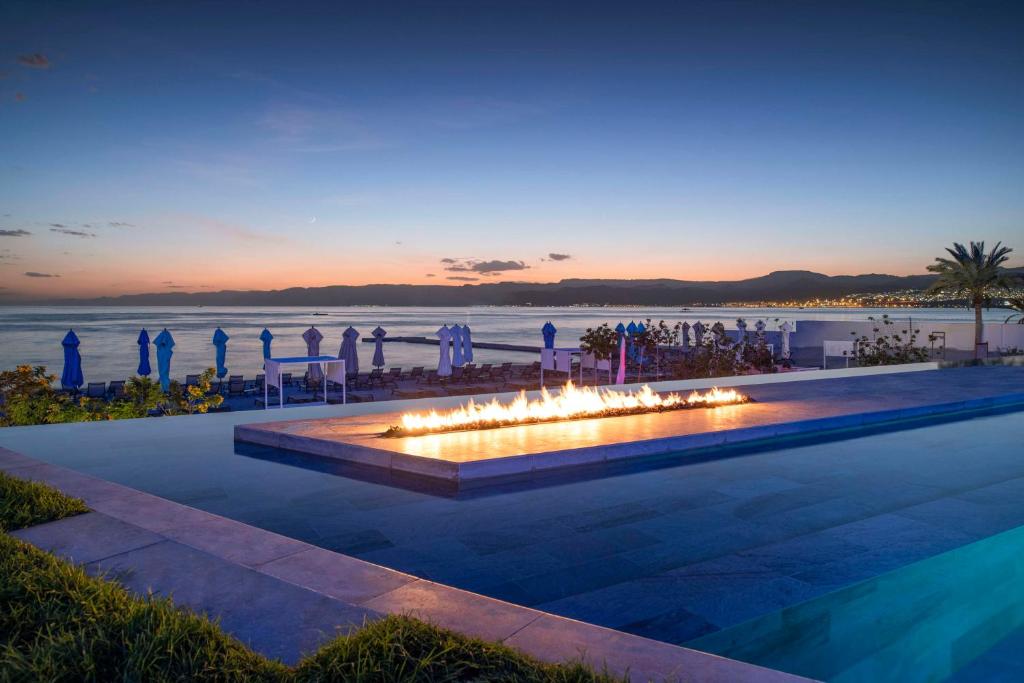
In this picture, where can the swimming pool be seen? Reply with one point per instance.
(672, 553)
(927, 621)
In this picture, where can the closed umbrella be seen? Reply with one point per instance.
(266, 338)
(378, 347)
(620, 375)
(639, 351)
(349, 352)
(144, 367)
(164, 343)
(457, 360)
(685, 335)
(220, 343)
(444, 362)
(786, 328)
(71, 378)
(312, 337)
(630, 333)
(467, 344)
(549, 335)
(698, 334)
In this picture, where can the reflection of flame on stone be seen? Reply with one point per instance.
(570, 403)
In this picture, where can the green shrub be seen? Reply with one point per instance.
(57, 623)
(403, 649)
(26, 503)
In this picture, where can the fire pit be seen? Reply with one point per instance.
(475, 443)
(571, 403)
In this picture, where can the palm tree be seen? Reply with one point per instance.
(1018, 306)
(974, 275)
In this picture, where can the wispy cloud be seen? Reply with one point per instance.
(307, 129)
(468, 112)
(14, 233)
(558, 257)
(228, 229)
(35, 60)
(33, 273)
(231, 171)
(492, 267)
(73, 233)
(463, 278)
(120, 224)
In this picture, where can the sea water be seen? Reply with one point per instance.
(109, 351)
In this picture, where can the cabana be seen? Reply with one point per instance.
(331, 368)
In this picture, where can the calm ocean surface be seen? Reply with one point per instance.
(109, 351)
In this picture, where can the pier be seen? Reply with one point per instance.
(476, 345)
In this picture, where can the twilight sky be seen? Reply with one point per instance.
(163, 146)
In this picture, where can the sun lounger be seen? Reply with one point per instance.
(236, 387)
(116, 389)
(416, 373)
(191, 380)
(96, 390)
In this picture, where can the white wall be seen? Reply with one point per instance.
(959, 335)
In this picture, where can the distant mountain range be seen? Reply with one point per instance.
(777, 286)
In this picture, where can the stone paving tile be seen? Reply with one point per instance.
(355, 542)
(235, 541)
(148, 511)
(731, 598)
(455, 609)
(554, 639)
(334, 575)
(674, 626)
(975, 519)
(88, 537)
(274, 618)
(598, 544)
(575, 578)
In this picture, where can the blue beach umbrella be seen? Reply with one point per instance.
(164, 343)
(637, 351)
(266, 338)
(144, 368)
(71, 378)
(378, 350)
(220, 342)
(549, 332)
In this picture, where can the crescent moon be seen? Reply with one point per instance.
(313, 219)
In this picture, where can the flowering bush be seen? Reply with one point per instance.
(887, 346)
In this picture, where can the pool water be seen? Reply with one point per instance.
(924, 622)
(673, 552)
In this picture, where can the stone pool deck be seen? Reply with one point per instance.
(472, 458)
(284, 598)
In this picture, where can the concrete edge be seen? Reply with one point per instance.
(544, 636)
(480, 472)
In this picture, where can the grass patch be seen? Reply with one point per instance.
(27, 503)
(57, 623)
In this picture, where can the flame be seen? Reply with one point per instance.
(570, 403)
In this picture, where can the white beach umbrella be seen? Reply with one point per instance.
(444, 363)
(457, 360)
(312, 337)
(378, 348)
(349, 352)
(467, 344)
